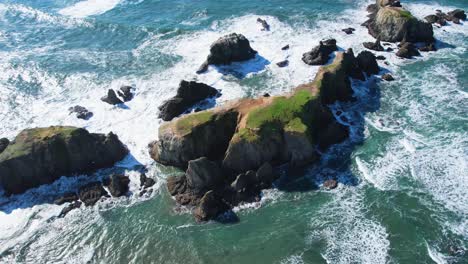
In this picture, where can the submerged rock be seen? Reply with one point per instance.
(69, 208)
(388, 77)
(41, 155)
(285, 47)
(230, 48)
(81, 112)
(111, 98)
(91, 193)
(188, 94)
(330, 184)
(66, 198)
(4, 142)
(117, 185)
(146, 182)
(348, 30)
(428, 47)
(320, 54)
(283, 64)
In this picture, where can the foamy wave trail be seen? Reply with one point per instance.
(89, 8)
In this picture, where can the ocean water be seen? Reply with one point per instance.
(403, 181)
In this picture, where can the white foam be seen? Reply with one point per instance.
(89, 8)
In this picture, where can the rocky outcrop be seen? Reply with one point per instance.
(265, 26)
(348, 31)
(283, 64)
(368, 63)
(441, 18)
(407, 51)
(126, 92)
(81, 112)
(4, 142)
(230, 48)
(373, 45)
(41, 155)
(391, 22)
(428, 47)
(388, 77)
(229, 151)
(320, 54)
(117, 184)
(91, 193)
(66, 198)
(111, 98)
(188, 94)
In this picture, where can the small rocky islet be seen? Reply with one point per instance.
(229, 153)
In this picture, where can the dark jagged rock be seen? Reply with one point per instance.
(264, 24)
(111, 98)
(66, 198)
(282, 64)
(320, 54)
(4, 142)
(230, 48)
(177, 185)
(266, 95)
(428, 47)
(330, 184)
(126, 93)
(117, 184)
(188, 94)
(202, 175)
(373, 45)
(389, 49)
(352, 66)
(81, 112)
(390, 22)
(457, 13)
(210, 207)
(91, 193)
(69, 208)
(265, 175)
(41, 155)
(372, 8)
(348, 30)
(368, 63)
(380, 57)
(285, 47)
(388, 77)
(407, 50)
(146, 182)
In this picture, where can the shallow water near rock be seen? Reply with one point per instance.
(402, 193)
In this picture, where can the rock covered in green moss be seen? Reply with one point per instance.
(393, 23)
(41, 155)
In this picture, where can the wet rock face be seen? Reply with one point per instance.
(348, 31)
(368, 63)
(66, 198)
(373, 45)
(41, 155)
(117, 185)
(230, 48)
(4, 144)
(91, 193)
(203, 174)
(210, 207)
(388, 77)
(69, 208)
(188, 94)
(265, 26)
(111, 98)
(126, 93)
(81, 112)
(320, 54)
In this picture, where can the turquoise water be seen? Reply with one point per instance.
(402, 196)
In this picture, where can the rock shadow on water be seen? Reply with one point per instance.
(240, 70)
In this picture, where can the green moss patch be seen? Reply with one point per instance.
(185, 124)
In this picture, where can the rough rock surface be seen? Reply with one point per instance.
(210, 207)
(388, 77)
(81, 112)
(41, 155)
(117, 184)
(373, 45)
(67, 209)
(368, 63)
(188, 94)
(66, 198)
(282, 64)
(407, 51)
(230, 48)
(91, 193)
(111, 98)
(320, 54)
(4, 142)
(392, 23)
(348, 30)
(265, 26)
(203, 175)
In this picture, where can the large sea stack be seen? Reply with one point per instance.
(389, 21)
(229, 151)
(41, 155)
